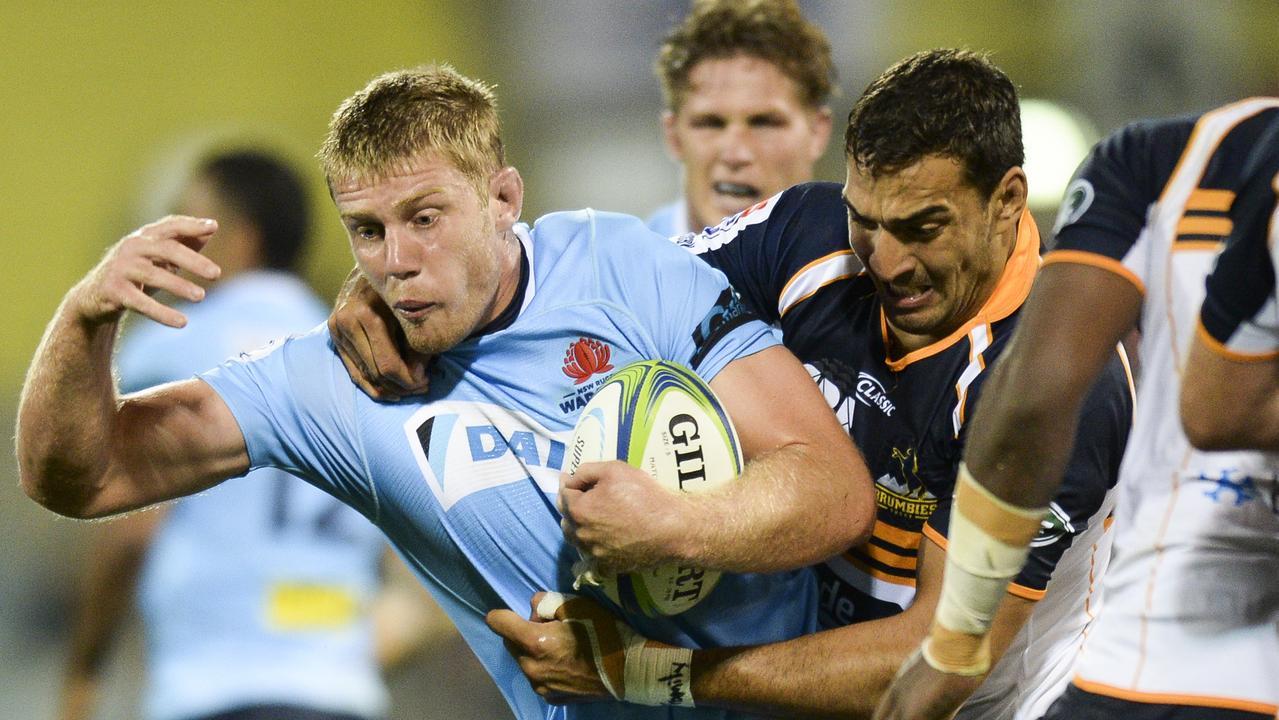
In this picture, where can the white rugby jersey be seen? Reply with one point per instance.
(1192, 593)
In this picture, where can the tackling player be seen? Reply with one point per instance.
(1190, 628)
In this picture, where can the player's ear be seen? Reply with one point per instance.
(821, 122)
(1009, 198)
(506, 197)
(673, 146)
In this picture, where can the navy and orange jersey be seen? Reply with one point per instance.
(790, 260)
(1197, 541)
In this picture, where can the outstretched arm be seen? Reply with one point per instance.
(83, 451)
(804, 495)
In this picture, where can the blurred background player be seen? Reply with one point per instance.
(255, 596)
(745, 84)
(1190, 628)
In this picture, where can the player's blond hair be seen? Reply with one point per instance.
(771, 30)
(402, 114)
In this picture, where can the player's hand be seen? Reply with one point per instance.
(369, 341)
(619, 517)
(556, 656)
(920, 692)
(149, 258)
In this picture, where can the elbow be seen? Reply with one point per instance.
(1209, 429)
(48, 487)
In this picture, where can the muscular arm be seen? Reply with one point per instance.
(835, 673)
(83, 451)
(1024, 426)
(840, 672)
(804, 495)
(1229, 403)
(111, 573)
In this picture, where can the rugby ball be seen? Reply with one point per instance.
(663, 419)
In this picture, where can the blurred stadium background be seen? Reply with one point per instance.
(98, 98)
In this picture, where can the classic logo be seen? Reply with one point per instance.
(464, 447)
(872, 393)
(586, 357)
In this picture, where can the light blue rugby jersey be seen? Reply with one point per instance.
(464, 481)
(232, 572)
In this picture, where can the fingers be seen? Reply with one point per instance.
(367, 337)
(546, 605)
(511, 627)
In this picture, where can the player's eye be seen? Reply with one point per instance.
(707, 122)
(425, 219)
(368, 231)
(768, 121)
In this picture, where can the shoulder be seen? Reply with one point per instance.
(807, 213)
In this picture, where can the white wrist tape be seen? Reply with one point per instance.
(651, 673)
(988, 544)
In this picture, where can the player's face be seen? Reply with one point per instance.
(933, 245)
(743, 135)
(434, 248)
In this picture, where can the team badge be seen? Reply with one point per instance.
(586, 357)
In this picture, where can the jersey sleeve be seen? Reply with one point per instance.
(1092, 470)
(1239, 312)
(1103, 213)
(294, 404)
(773, 251)
(688, 309)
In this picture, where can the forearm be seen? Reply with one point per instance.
(66, 411)
(788, 509)
(835, 673)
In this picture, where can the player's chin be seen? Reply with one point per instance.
(440, 335)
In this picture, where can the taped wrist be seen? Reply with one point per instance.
(989, 540)
(631, 667)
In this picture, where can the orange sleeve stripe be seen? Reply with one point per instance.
(1083, 257)
(1218, 348)
(810, 293)
(878, 574)
(1196, 245)
(1210, 199)
(1192, 225)
(1211, 701)
(1020, 591)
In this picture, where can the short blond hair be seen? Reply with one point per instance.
(771, 30)
(402, 114)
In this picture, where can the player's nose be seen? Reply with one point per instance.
(403, 253)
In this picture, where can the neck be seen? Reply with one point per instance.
(509, 280)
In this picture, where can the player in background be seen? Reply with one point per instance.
(937, 215)
(463, 481)
(1190, 628)
(263, 597)
(745, 83)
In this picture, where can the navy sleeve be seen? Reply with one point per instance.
(763, 248)
(1239, 307)
(1104, 209)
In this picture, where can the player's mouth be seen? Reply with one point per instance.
(907, 298)
(413, 310)
(736, 192)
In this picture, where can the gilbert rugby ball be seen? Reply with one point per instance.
(663, 419)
